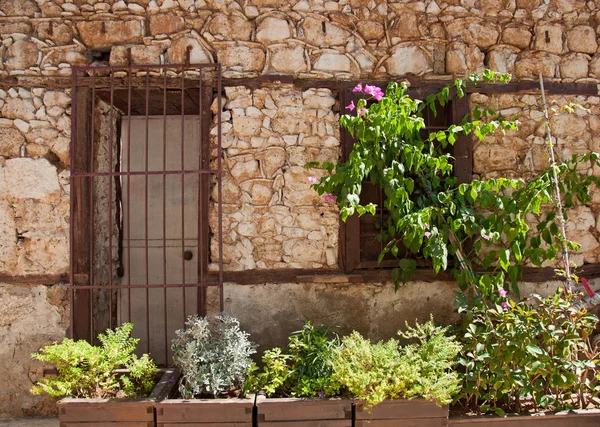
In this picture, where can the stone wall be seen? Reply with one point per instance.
(271, 216)
(524, 152)
(272, 220)
(307, 38)
(34, 238)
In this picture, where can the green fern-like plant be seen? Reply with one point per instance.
(85, 370)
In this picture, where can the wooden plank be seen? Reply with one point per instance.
(308, 423)
(578, 418)
(402, 409)
(253, 277)
(223, 424)
(80, 215)
(412, 422)
(204, 410)
(166, 386)
(333, 278)
(463, 147)
(34, 279)
(349, 237)
(105, 410)
(204, 196)
(304, 409)
(108, 424)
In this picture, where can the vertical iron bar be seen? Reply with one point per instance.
(129, 83)
(201, 301)
(182, 187)
(219, 179)
(72, 201)
(165, 212)
(146, 209)
(110, 196)
(91, 205)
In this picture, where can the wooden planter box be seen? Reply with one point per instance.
(204, 412)
(289, 412)
(348, 413)
(407, 413)
(76, 412)
(575, 418)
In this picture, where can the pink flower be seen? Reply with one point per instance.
(374, 91)
(426, 226)
(350, 106)
(362, 111)
(502, 293)
(370, 89)
(427, 234)
(358, 88)
(504, 304)
(329, 197)
(486, 236)
(312, 179)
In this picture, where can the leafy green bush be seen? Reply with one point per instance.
(213, 356)
(523, 353)
(374, 372)
(304, 372)
(90, 371)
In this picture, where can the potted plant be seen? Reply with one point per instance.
(530, 358)
(213, 355)
(325, 379)
(105, 383)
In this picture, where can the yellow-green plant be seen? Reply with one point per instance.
(374, 372)
(85, 370)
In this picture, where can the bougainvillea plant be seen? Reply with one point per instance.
(469, 227)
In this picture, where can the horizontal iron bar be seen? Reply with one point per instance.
(149, 286)
(142, 67)
(144, 173)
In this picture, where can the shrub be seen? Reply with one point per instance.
(213, 356)
(304, 372)
(528, 353)
(374, 372)
(85, 370)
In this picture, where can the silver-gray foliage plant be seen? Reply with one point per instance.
(212, 354)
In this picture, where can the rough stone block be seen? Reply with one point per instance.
(408, 60)
(165, 24)
(24, 178)
(102, 35)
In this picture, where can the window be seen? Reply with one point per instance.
(359, 248)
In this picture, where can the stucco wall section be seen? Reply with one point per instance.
(307, 38)
(270, 311)
(31, 317)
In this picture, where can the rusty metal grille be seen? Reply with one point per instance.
(143, 187)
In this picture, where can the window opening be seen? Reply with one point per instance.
(358, 236)
(141, 180)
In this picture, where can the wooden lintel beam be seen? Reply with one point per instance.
(557, 88)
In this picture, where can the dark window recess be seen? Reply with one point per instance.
(359, 247)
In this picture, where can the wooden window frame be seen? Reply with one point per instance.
(349, 234)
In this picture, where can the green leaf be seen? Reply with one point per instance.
(504, 258)
(534, 350)
(408, 266)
